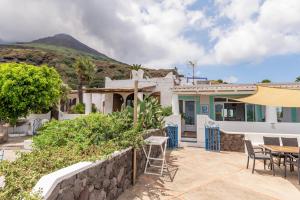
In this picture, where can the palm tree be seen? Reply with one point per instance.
(85, 69)
(297, 79)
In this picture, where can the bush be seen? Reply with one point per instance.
(27, 88)
(63, 143)
(166, 111)
(78, 109)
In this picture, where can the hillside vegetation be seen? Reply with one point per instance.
(62, 55)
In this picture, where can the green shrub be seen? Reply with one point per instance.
(78, 109)
(87, 138)
(166, 111)
(94, 129)
(27, 88)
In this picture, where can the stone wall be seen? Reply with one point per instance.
(105, 179)
(232, 142)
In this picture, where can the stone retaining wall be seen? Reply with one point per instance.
(232, 142)
(105, 179)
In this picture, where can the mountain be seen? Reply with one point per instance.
(61, 51)
(67, 41)
(2, 41)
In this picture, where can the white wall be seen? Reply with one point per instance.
(252, 130)
(66, 116)
(108, 103)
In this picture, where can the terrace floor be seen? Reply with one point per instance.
(200, 175)
(12, 146)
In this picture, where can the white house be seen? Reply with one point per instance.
(119, 92)
(194, 106)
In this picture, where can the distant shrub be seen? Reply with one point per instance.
(78, 109)
(166, 111)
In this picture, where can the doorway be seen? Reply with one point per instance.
(189, 123)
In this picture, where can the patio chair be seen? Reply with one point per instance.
(294, 161)
(257, 155)
(290, 142)
(275, 141)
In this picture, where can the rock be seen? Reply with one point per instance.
(106, 183)
(97, 195)
(109, 169)
(120, 175)
(84, 195)
(78, 187)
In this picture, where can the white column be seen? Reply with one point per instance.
(175, 104)
(88, 103)
(140, 96)
(271, 114)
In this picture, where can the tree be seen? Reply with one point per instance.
(266, 81)
(27, 88)
(85, 70)
(297, 79)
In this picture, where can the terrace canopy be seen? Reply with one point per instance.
(270, 96)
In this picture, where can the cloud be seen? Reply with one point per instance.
(231, 79)
(133, 31)
(274, 31)
(165, 33)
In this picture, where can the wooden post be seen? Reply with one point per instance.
(135, 105)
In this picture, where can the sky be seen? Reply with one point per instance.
(242, 41)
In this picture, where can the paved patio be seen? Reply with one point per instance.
(200, 175)
(12, 146)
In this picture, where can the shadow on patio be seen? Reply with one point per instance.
(198, 174)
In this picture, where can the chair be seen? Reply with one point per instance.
(295, 161)
(257, 156)
(271, 141)
(290, 142)
(275, 141)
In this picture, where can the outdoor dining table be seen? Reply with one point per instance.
(281, 149)
(284, 150)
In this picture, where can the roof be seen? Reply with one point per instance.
(118, 90)
(228, 88)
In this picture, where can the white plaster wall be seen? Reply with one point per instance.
(253, 130)
(66, 116)
(98, 99)
(108, 99)
(162, 85)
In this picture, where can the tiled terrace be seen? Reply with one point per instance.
(199, 175)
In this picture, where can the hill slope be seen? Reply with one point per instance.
(58, 55)
(67, 41)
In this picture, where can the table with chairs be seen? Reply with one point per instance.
(286, 152)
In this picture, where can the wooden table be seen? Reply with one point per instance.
(281, 149)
